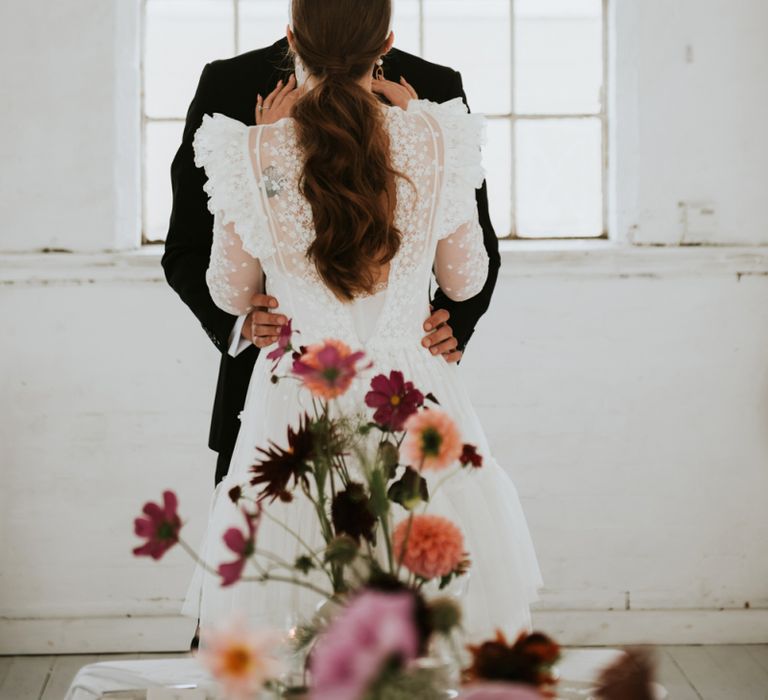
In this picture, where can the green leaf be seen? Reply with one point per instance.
(409, 490)
(389, 458)
(378, 484)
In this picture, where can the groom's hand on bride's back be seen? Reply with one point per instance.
(262, 328)
(262, 325)
(439, 338)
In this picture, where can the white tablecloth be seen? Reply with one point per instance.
(578, 669)
(101, 679)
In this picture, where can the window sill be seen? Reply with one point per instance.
(610, 259)
(518, 259)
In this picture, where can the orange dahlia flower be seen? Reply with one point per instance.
(434, 546)
(432, 440)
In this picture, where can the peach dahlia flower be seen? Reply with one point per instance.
(432, 440)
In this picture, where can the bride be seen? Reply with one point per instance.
(348, 205)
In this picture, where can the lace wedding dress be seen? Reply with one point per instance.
(261, 221)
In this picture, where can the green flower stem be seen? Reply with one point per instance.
(387, 541)
(266, 576)
(194, 555)
(298, 538)
(401, 554)
(448, 476)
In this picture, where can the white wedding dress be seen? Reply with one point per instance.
(261, 221)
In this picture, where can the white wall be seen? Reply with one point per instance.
(625, 388)
(689, 97)
(71, 127)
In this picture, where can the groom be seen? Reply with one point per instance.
(230, 86)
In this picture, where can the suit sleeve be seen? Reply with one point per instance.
(465, 314)
(190, 231)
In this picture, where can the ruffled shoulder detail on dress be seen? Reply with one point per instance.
(220, 145)
(463, 135)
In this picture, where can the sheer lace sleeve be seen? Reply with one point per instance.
(461, 261)
(241, 234)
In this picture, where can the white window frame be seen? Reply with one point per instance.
(512, 117)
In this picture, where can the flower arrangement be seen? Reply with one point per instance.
(373, 569)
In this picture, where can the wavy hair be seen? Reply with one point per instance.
(347, 175)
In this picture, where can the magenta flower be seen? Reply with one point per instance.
(328, 368)
(244, 545)
(160, 527)
(284, 345)
(394, 399)
(372, 629)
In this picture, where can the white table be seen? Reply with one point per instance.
(578, 669)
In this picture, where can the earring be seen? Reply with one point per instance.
(379, 72)
(299, 71)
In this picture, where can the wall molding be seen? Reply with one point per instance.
(519, 259)
(172, 633)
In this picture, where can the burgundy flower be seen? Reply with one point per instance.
(244, 545)
(470, 455)
(394, 399)
(160, 527)
(351, 513)
(281, 464)
(284, 345)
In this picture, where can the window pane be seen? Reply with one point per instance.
(497, 161)
(181, 37)
(558, 178)
(472, 37)
(405, 25)
(262, 23)
(163, 140)
(558, 56)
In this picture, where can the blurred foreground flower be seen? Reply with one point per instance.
(373, 631)
(499, 691)
(629, 678)
(529, 660)
(328, 368)
(160, 527)
(432, 440)
(241, 659)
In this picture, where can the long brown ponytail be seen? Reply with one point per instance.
(347, 176)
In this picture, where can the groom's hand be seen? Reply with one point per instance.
(262, 326)
(439, 338)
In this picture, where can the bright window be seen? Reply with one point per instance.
(536, 68)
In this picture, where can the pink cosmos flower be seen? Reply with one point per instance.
(160, 527)
(328, 368)
(372, 629)
(499, 691)
(241, 659)
(244, 545)
(394, 399)
(432, 440)
(284, 345)
(434, 548)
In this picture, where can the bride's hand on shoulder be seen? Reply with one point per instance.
(279, 103)
(398, 94)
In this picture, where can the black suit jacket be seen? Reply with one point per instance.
(230, 87)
